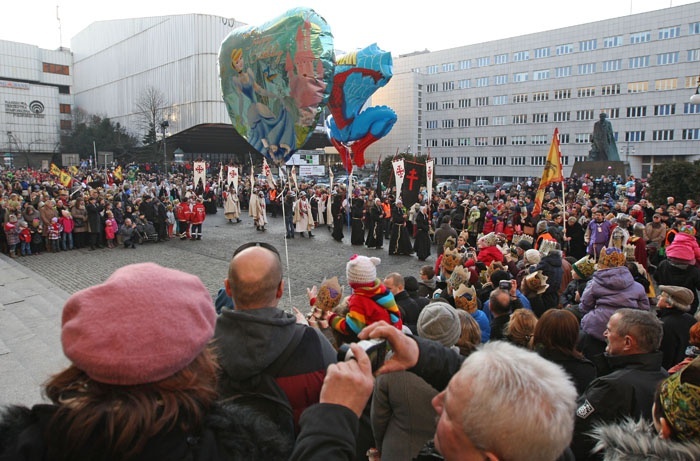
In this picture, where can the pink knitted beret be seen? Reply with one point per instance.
(143, 324)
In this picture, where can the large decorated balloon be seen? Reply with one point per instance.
(357, 76)
(275, 80)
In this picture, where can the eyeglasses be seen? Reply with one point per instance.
(267, 246)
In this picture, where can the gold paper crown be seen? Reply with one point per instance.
(611, 257)
(536, 282)
(584, 267)
(493, 267)
(450, 243)
(465, 298)
(546, 246)
(460, 275)
(629, 250)
(451, 258)
(329, 294)
(522, 237)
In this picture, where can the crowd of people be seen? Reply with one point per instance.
(573, 332)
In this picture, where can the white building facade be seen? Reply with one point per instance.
(489, 110)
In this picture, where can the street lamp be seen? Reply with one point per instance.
(163, 125)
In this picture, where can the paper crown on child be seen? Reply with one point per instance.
(536, 282)
(460, 275)
(329, 294)
(450, 242)
(610, 257)
(451, 258)
(523, 238)
(465, 298)
(361, 269)
(546, 246)
(687, 229)
(628, 251)
(584, 267)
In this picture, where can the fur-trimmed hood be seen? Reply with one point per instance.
(632, 440)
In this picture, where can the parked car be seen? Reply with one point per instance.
(445, 185)
(483, 185)
(507, 186)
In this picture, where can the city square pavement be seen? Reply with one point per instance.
(34, 289)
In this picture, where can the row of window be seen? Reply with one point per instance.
(564, 49)
(687, 134)
(500, 160)
(660, 110)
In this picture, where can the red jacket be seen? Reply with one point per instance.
(183, 212)
(199, 213)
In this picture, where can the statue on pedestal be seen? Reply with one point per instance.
(603, 146)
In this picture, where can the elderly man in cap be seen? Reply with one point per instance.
(673, 306)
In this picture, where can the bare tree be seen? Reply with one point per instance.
(152, 107)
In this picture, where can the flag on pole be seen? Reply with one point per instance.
(233, 176)
(221, 174)
(551, 174)
(378, 190)
(118, 173)
(56, 171)
(73, 170)
(399, 173)
(429, 170)
(65, 178)
(200, 173)
(293, 175)
(330, 173)
(268, 174)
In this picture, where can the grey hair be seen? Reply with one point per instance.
(644, 326)
(518, 393)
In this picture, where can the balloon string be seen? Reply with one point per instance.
(286, 250)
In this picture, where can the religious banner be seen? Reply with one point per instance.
(268, 174)
(399, 173)
(233, 176)
(293, 175)
(252, 177)
(330, 174)
(221, 174)
(414, 179)
(429, 170)
(200, 172)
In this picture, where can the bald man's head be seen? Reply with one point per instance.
(255, 278)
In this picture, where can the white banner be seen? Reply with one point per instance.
(268, 174)
(399, 173)
(200, 173)
(233, 176)
(252, 178)
(429, 170)
(293, 174)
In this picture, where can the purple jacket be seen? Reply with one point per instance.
(609, 290)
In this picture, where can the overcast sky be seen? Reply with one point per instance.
(394, 26)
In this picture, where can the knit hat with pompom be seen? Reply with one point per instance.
(361, 270)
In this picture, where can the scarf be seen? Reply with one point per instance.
(378, 293)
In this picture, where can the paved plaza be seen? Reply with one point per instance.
(33, 289)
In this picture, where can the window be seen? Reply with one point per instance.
(588, 45)
(432, 69)
(519, 119)
(481, 161)
(664, 109)
(447, 160)
(691, 134)
(65, 108)
(669, 32)
(541, 52)
(538, 160)
(689, 108)
(694, 55)
(464, 122)
(662, 135)
(540, 118)
(465, 64)
(499, 141)
(583, 138)
(563, 138)
(498, 120)
(448, 67)
(612, 65)
(634, 136)
(638, 111)
(562, 116)
(464, 142)
(481, 121)
(584, 114)
(517, 161)
(481, 141)
(431, 143)
(462, 160)
(447, 142)
(638, 87)
(431, 106)
(521, 56)
(560, 72)
(665, 59)
(640, 37)
(446, 105)
(586, 92)
(500, 160)
(500, 100)
(482, 62)
(585, 69)
(483, 101)
(540, 96)
(564, 49)
(500, 79)
(518, 98)
(613, 112)
(540, 74)
(464, 83)
(666, 84)
(431, 88)
(55, 68)
(608, 90)
(431, 125)
(464, 103)
(66, 124)
(520, 77)
(639, 61)
(482, 82)
(518, 140)
(501, 59)
(611, 42)
(562, 94)
(694, 28)
(539, 139)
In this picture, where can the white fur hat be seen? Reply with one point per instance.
(361, 269)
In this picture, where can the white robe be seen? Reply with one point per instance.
(302, 216)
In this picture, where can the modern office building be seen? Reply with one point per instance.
(489, 110)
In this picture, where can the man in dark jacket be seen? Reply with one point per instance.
(673, 306)
(410, 311)
(445, 230)
(634, 362)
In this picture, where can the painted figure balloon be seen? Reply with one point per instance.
(275, 80)
(357, 76)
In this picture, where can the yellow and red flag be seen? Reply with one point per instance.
(65, 178)
(552, 172)
(54, 170)
(118, 173)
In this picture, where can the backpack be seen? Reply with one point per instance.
(262, 393)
